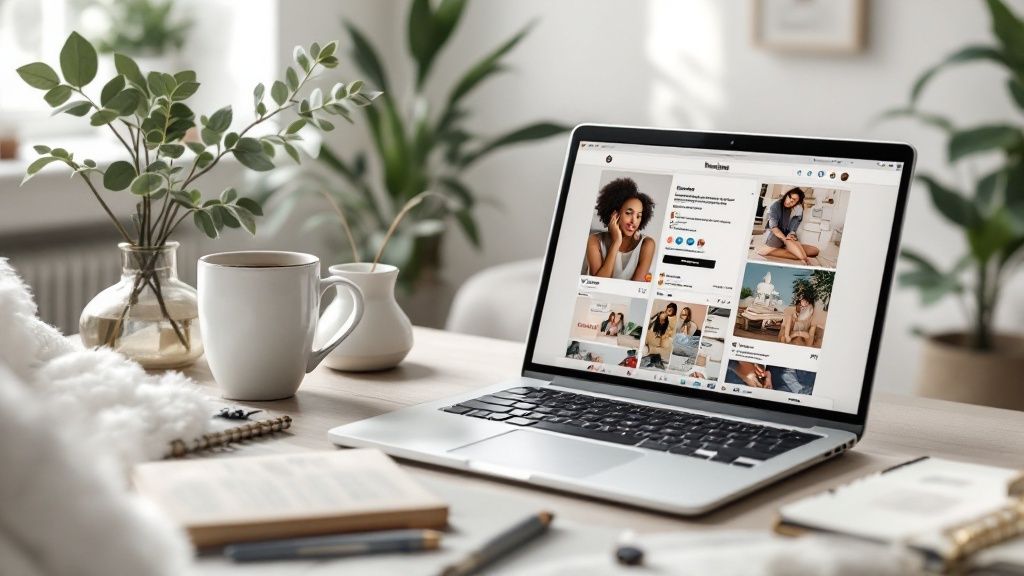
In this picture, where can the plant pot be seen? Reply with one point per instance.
(149, 316)
(383, 337)
(952, 370)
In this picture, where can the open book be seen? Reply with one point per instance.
(235, 499)
(949, 511)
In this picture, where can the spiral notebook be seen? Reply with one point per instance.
(957, 515)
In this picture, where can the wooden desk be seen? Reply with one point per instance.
(444, 363)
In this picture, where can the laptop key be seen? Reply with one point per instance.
(592, 434)
(478, 413)
(725, 456)
(476, 405)
(457, 409)
(499, 417)
(651, 445)
(490, 399)
(520, 421)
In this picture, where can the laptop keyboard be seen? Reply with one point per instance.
(687, 434)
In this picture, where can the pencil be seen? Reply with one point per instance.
(514, 537)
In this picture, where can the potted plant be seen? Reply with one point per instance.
(979, 364)
(140, 28)
(150, 315)
(417, 146)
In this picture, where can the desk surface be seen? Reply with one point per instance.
(444, 363)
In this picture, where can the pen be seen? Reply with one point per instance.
(335, 545)
(517, 535)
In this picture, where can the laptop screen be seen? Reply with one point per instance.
(736, 273)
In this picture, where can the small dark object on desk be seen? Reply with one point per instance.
(627, 552)
(236, 414)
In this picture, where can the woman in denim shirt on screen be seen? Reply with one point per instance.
(782, 219)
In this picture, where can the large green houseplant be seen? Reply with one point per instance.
(417, 145)
(991, 218)
(150, 315)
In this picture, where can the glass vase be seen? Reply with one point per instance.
(149, 316)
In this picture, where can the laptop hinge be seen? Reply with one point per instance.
(627, 392)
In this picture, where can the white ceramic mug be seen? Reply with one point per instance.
(258, 314)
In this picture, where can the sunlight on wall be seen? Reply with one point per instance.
(685, 47)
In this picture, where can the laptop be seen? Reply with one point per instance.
(707, 322)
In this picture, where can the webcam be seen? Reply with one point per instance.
(732, 142)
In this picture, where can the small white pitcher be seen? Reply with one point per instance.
(383, 337)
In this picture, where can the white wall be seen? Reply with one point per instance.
(692, 65)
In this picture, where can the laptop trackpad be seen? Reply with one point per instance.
(557, 455)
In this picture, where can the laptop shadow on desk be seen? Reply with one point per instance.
(757, 510)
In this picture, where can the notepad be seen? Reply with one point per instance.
(238, 499)
(946, 510)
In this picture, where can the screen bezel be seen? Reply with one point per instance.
(731, 142)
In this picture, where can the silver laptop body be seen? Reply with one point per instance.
(719, 331)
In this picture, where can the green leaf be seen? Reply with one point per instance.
(257, 94)
(39, 75)
(205, 223)
(111, 89)
(268, 148)
(292, 152)
(366, 57)
(119, 175)
(328, 50)
(468, 224)
(184, 90)
(40, 149)
(292, 78)
(296, 126)
(992, 236)
(196, 147)
(950, 204)
(245, 218)
(146, 183)
(157, 84)
(38, 165)
(226, 216)
(279, 92)
(1009, 30)
(58, 95)
(250, 153)
(250, 205)
(185, 76)
(983, 139)
(1014, 196)
(125, 102)
(104, 116)
(490, 64)
(77, 108)
(228, 196)
(962, 56)
(230, 139)
(928, 118)
(61, 153)
(988, 188)
(130, 70)
(220, 120)
(329, 62)
(534, 131)
(301, 58)
(172, 150)
(78, 61)
(204, 159)
(1017, 91)
(209, 137)
(429, 32)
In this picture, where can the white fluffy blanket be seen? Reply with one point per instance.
(72, 422)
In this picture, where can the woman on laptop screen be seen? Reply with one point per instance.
(783, 219)
(621, 251)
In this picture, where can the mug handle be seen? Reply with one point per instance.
(317, 356)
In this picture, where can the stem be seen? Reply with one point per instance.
(412, 203)
(344, 224)
(982, 335)
(120, 228)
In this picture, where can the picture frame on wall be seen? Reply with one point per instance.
(811, 26)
